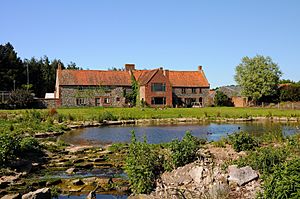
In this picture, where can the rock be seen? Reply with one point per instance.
(91, 195)
(77, 182)
(141, 196)
(196, 174)
(242, 175)
(12, 196)
(71, 170)
(43, 193)
(77, 161)
(85, 166)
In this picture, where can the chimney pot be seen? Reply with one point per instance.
(166, 73)
(129, 67)
(199, 68)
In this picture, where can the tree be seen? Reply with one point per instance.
(21, 98)
(72, 66)
(222, 100)
(12, 71)
(258, 77)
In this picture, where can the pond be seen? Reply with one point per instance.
(165, 133)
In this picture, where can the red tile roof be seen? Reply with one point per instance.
(94, 78)
(188, 79)
(144, 76)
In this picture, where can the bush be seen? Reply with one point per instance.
(222, 100)
(21, 98)
(264, 159)
(185, 151)
(9, 145)
(29, 144)
(242, 141)
(284, 182)
(106, 115)
(142, 166)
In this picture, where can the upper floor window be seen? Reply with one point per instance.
(194, 90)
(183, 90)
(158, 87)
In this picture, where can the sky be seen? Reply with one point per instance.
(174, 34)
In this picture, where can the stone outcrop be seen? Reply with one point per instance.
(242, 175)
(43, 193)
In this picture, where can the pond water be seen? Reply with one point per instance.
(166, 133)
(83, 196)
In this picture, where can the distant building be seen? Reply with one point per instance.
(234, 93)
(157, 88)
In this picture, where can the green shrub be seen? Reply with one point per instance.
(142, 166)
(242, 141)
(264, 159)
(9, 145)
(106, 115)
(118, 147)
(220, 143)
(29, 144)
(284, 182)
(185, 151)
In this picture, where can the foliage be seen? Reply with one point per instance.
(242, 141)
(221, 142)
(284, 182)
(222, 100)
(142, 166)
(290, 93)
(29, 144)
(258, 76)
(264, 159)
(118, 147)
(9, 145)
(185, 151)
(21, 98)
(106, 115)
(133, 96)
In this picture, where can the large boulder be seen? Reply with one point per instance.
(12, 196)
(43, 193)
(241, 175)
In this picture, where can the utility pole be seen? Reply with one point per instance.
(27, 77)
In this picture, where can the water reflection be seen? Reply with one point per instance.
(165, 133)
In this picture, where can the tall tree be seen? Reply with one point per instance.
(258, 77)
(12, 71)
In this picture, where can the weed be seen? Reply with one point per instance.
(242, 141)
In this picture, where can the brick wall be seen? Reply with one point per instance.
(159, 77)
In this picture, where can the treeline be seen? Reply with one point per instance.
(38, 75)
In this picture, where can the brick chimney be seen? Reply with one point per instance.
(199, 68)
(129, 67)
(166, 73)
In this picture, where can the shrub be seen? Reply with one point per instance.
(242, 141)
(264, 159)
(9, 145)
(21, 98)
(185, 151)
(142, 166)
(222, 100)
(106, 115)
(29, 144)
(284, 182)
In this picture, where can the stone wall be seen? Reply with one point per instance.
(107, 96)
(198, 93)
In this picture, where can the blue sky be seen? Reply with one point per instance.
(178, 35)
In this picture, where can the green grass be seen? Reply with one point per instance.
(92, 113)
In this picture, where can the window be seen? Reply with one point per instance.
(97, 101)
(194, 90)
(117, 99)
(158, 100)
(158, 87)
(80, 101)
(183, 90)
(106, 100)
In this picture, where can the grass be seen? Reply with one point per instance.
(92, 113)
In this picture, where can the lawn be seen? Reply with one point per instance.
(92, 113)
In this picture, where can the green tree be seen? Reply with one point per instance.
(12, 71)
(222, 100)
(21, 98)
(258, 77)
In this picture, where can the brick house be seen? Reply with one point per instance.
(157, 88)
